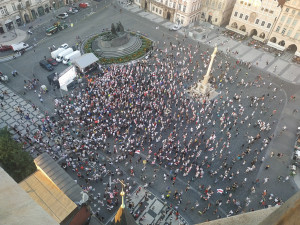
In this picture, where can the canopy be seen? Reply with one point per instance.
(85, 60)
(258, 38)
(8, 21)
(276, 46)
(243, 33)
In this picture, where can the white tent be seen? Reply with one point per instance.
(66, 77)
(85, 61)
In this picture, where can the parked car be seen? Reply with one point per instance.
(84, 5)
(62, 16)
(65, 46)
(52, 62)
(72, 10)
(46, 65)
(175, 27)
(4, 48)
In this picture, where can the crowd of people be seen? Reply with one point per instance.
(145, 111)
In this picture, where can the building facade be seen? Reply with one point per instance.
(254, 18)
(217, 12)
(286, 31)
(183, 12)
(15, 13)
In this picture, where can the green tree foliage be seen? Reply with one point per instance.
(13, 159)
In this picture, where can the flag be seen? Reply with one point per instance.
(220, 191)
(137, 152)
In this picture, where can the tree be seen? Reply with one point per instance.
(113, 29)
(13, 159)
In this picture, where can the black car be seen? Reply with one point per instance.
(46, 65)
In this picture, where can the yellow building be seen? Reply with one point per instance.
(286, 32)
(183, 12)
(254, 18)
(217, 12)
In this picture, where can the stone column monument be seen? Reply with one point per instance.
(204, 89)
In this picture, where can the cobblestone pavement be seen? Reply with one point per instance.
(24, 124)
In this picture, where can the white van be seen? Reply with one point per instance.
(61, 55)
(70, 57)
(55, 53)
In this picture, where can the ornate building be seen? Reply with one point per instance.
(14, 13)
(254, 18)
(177, 11)
(217, 12)
(286, 31)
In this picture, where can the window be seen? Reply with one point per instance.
(287, 9)
(289, 20)
(156, 10)
(262, 9)
(216, 19)
(241, 15)
(242, 2)
(3, 10)
(13, 6)
(277, 29)
(283, 31)
(236, 13)
(256, 21)
(184, 8)
(293, 12)
(295, 22)
(179, 6)
(174, 4)
(282, 18)
(266, 10)
(153, 8)
(262, 23)
(246, 17)
(297, 36)
(269, 25)
(289, 33)
(271, 11)
(160, 11)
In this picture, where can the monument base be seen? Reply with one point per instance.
(205, 92)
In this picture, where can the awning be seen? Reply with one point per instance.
(85, 60)
(8, 21)
(297, 54)
(17, 17)
(258, 38)
(276, 46)
(243, 33)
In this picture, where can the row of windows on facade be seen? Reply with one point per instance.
(181, 7)
(269, 24)
(297, 35)
(213, 3)
(5, 11)
(256, 21)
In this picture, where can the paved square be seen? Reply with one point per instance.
(158, 20)
(252, 55)
(241, 49)
(262, 61)
(292, 73)
(143, 14)
(281, 64)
